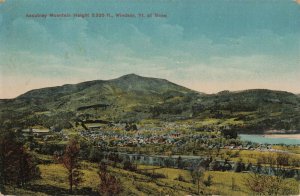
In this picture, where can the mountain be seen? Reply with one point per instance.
(126, 83)
(125, 92)
(117, 99)
(133, 98)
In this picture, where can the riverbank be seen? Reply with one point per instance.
(282, 132)
(283, 136)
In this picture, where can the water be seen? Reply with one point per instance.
(267, 140)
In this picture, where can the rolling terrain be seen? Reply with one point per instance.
(132, 98)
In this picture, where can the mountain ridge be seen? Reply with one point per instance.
(86, 84)
(80, 85)
(133, 98)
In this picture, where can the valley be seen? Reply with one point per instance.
(152, 137)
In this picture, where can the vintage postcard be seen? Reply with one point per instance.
(149, 97)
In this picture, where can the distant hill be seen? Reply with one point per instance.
(133, 98)
(259, 109)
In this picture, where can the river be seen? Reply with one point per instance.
(293, 139)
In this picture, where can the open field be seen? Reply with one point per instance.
(291, 149)
(54, 181)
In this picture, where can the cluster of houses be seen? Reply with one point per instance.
(212, 142)
(172, 138)
(119, 139)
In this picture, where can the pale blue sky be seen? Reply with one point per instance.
(206, 45)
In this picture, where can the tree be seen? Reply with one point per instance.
(197, 175)
(233, 186)
(109, 184)
(180, 178)
(17, 166)
(227, 166)
(249, 167)
(27, 169)
(273, 183)
(128, 165)
(168, 162)
(229, 133)
(240, 166)
(214, 166)
(265, 184)
(208, 182)
(95, 154)
(280, 164)
(70, 160)
(131, 127)
(179, 162)
(115, 158)
(8, 157)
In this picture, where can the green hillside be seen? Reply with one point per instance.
(132, 98)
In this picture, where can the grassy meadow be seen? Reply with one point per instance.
(54, 181)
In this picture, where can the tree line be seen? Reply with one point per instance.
(17, 165)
